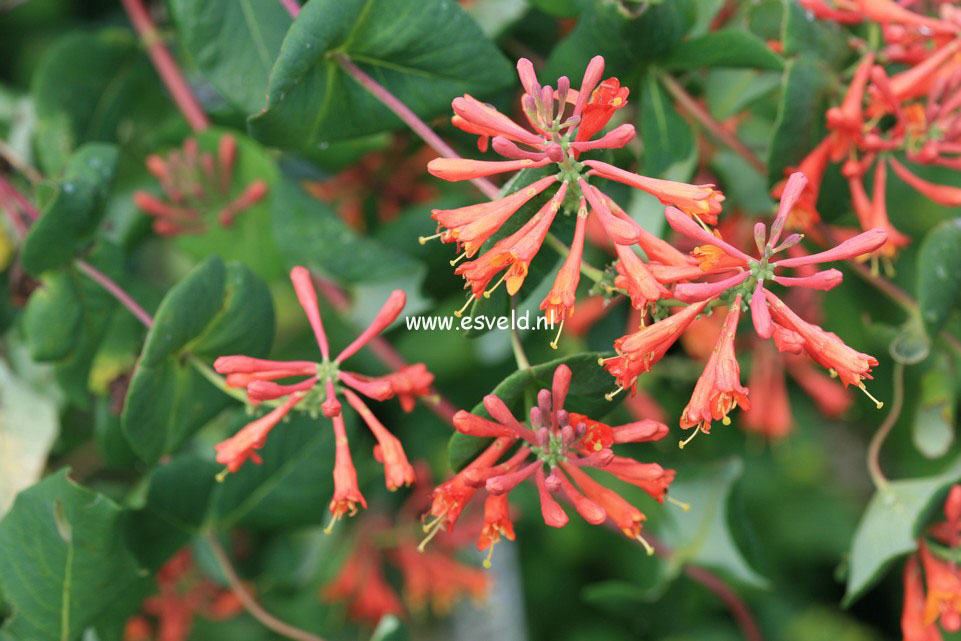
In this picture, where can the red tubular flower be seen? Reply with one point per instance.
(497, 523)
(516, 252)
(822, 10)
(317, 392)
(824, 347)
(361, 584)
(943, 600)
(831, 398)
(949, 530)
(558, 305)
(346, 491)
(770, 411)
(913, 625)
(471, 226)
(702, 201)
(634, 277)
(605, 100)
(718, 389)
(638, 351)
(847, 121)
(397, 470)
(235, 451)
(886, 11)
(941, 194)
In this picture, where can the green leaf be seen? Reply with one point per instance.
(29, 423)
(118, 94)
(63, 563)
(71, 217)
(933, 428)
(589, 384)
(234, 44)
(796, 126)
(724, 48)
(604, 29)
(802, 34)
(245, 240)
(214, 311)
(702, 535)
(310, 233)
(939, 275)
(667, 137)
(890, 526)
(425, 53)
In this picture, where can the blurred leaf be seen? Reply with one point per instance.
(245, 240)
(933, 426)
(215, 310)
(889, 527)
(116, 97)
(496, 16)
(439, 53)
(939, 274)
(796, 127)
(66, 319)
(702, 535)
(724, 48)
(804, 34)
(234, 44)
(63, 564)
(71, 216)
(624, 41)
(29, 423)
(667, 137)
(310, 233)
(730, 91)
(589, 384)
(820, 622)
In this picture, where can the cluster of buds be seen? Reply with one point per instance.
(429, 578)
(563, 124)
(196, 183)
(554, 448)
(932, 584)
(392, 178)
(182, 593)
(915, 112)
(738, 281)
(317, 391)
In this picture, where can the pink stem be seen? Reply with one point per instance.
(165, 65)
(417, 125)
(381, 348)
(292, 7)
(116, 291)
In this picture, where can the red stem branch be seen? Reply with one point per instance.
(292, 7)
(417, 125)
(165, 65)
(691, 106)
(116, 291)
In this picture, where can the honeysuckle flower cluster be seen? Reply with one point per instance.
(743, 278)
(183, 593)
(554, 448)
(932, 584)
(428, 578)
(196, 184)
(915, 112)
(317, 391)
(563, 123)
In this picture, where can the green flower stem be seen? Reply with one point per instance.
(874, 447)
(220, 382)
